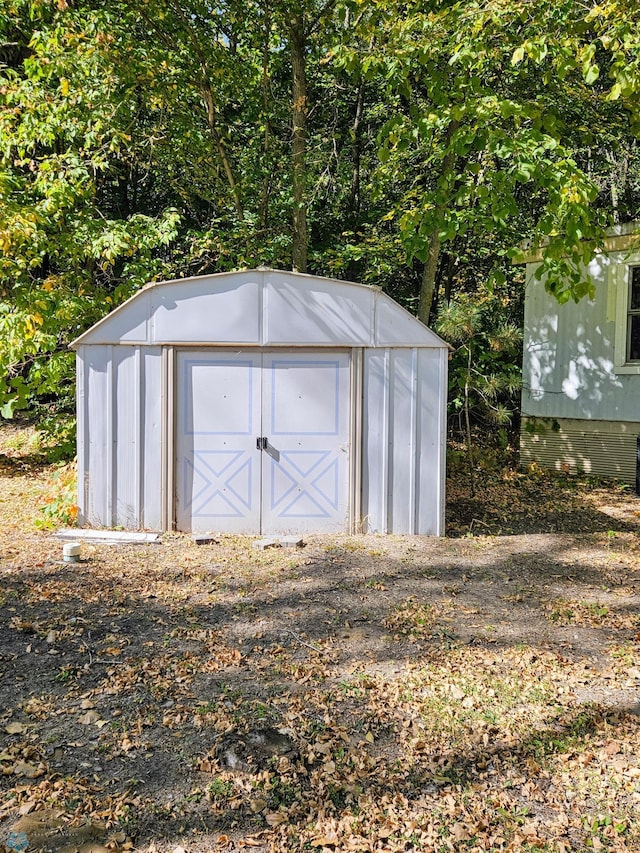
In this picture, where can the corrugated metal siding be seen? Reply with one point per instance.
(95, 506)
(119, 436)
(568, 358)
(152, 449)
(602, 449)
(432, 439)
(403, 441)
(127, 439)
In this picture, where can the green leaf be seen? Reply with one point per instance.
(591, 74)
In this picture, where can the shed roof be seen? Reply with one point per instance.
(261, 307)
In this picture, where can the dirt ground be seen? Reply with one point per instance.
(477, 692)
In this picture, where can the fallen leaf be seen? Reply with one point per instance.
(31, 771)
(328, 840)
(14, 728)
(88, 718)
(460, 832)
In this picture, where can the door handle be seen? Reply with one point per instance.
(262, 442)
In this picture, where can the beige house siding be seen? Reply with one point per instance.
(598, 448)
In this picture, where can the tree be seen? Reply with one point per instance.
(64, 145)
(479, 126)
(412, 145)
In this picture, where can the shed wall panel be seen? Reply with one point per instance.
(99, 452)
(119, 436)
(127, 404)
(152, 461)
(404, 426)
(375, 424)
(395, 327)
(431, 440)
(81, 434)
(402, 441)
(127, 324)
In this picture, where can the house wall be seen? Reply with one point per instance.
(568, 363)
(579, 411)
(597, 448)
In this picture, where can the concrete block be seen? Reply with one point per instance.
(263, 544)
(291, 541)
(204, 539)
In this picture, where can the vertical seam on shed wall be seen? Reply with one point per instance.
(112, 478)
(386, 441)
(413, 454)
(262, 304)
(355, 443)
(151, 317)
(164, 429)
(442, 444)
(258, 366)
(83, 450)
(169, 460)
(138, 435)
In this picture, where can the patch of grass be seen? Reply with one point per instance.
(220, 790)
(560, 613)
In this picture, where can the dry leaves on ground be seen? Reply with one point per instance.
(361, 693)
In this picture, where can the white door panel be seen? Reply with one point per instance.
(305, 419)
(218, 417)
(299, 404)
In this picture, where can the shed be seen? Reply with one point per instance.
(581, 368)
(262, 402)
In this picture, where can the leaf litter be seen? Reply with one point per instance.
(480, 693)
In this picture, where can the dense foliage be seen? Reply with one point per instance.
(411, 145)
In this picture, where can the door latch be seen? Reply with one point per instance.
(262, 442)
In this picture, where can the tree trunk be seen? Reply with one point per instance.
(467, 423)
(354, 194)
(428, 282)
(299, 141)
(212, 120)
(207, 95)
(263, 210)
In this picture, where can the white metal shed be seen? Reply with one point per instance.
(262, 402)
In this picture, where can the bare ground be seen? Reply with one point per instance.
(478, 692)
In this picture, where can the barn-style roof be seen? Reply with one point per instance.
(261, 307)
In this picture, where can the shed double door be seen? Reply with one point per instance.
(262, 441)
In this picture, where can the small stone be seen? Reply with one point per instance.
(252, 750)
